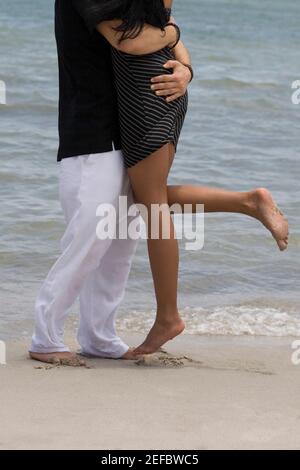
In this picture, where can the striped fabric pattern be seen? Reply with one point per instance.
(147, 121)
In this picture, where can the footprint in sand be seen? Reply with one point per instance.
(164, 359)
(65, 362)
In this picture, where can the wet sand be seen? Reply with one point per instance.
(203, 393)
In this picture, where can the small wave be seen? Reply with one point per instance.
(228, 82)
(221, 59)
(243, 320)
(44, 107)
(229, 320)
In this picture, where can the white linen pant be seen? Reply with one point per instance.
(95, 270)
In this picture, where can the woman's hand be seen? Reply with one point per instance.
(174, 85)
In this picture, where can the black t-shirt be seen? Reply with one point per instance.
(88, 114)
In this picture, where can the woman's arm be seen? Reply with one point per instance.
(150, 39)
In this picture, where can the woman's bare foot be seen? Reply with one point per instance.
(263, 207)
(59, 358)
(131, 355)
(160, 333)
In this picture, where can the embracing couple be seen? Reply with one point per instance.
(123, 78)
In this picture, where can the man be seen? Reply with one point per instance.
(91, 172)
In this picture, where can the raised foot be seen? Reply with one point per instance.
(160, 333)
(59, 358)
(264, 208)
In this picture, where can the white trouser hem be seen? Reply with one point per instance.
(36, 350)
(117, 354)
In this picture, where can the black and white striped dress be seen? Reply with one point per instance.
(147, 121)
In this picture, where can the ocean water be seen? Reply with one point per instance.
(242, 131)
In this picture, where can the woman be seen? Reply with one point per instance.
(150, 129)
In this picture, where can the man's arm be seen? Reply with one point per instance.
(174, 85)
(149, 40)
(182, 54)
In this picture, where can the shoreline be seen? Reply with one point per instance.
(206, 393)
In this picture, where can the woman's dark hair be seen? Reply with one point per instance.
(135, 14)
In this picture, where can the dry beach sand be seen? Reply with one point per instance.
(205, 393)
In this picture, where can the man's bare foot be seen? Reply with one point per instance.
(128, 356)
(160, 333)
(59, 358)
(263, 207)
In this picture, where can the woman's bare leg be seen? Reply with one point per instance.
(149, 183)
(257, 203)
